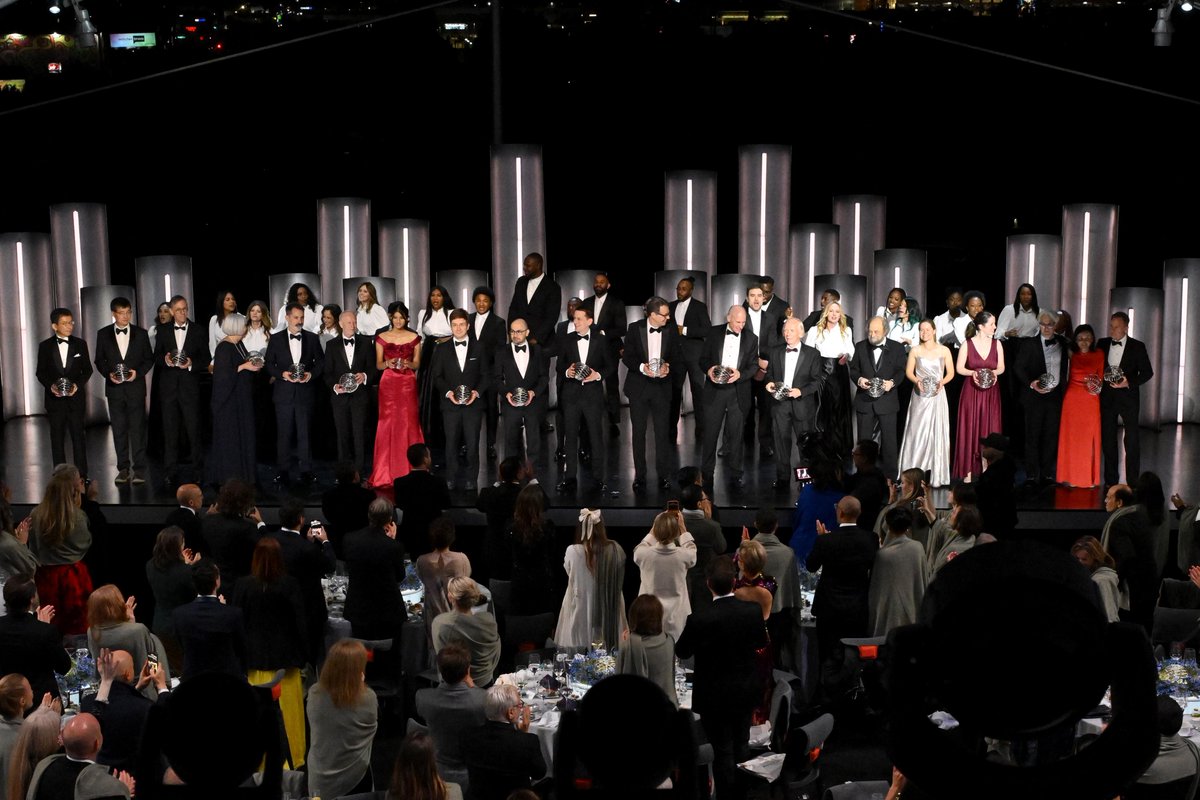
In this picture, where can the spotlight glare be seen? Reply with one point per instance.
(1186, 5)
(55, 8)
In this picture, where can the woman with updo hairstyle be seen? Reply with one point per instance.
(648, 651)
(593, 605)
(979, 403)
(343, 716)
(664, 556)
(474, 630)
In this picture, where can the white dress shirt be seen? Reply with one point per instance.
(1116, 351)
(295, 345)
(436, 324)
(531, 287)
(653, 343)
(791, 357)
(521, 358)
(122, 340)
(834, 343)
(480, 321)
(943, 325)
(255, 339)
(681, 314)
(755, 320)
(180, 335)
(371, 321)
(731, 350)
(312, 318)
(583, 348)
(63, 347)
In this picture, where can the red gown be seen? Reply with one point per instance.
(1079, 433)
(399, 422)
(978, 413)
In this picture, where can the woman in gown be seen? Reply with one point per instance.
(372, 318)
(593, 605)
(233, 447)
(754, 587)
(398, 356)
(978, 408)
(258, 333)
(927, 427)
(434, 326)
(1079, 441)
(835, 340)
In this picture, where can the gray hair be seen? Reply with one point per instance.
(233, 325)
(500, 698)
(1046, 315)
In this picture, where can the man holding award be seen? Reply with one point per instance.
(651, 347)
(461, 375)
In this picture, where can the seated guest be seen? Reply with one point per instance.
(1173, 773)
(37, 739)
(77, 774)
(451, 710)
(502, 755)
(649, 652)
(212, 634)
(898, 577)
(187, 515)
(535, 584)
(345, 505)
(421, 497)
(112, 625)
(29, 645)
(437, 568)
(416, 774)
(1099, 563)
(817, 501)
(231, 531)
(709, 538)
(375, 562)
(170, 577)
(967, 525)
(343, 715)
(16, 697)
(476, 631)
(867, 483)
(120, 706)
(1128, 540)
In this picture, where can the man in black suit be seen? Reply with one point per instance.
(773, 302)
(345, 505)
(294, 396)
(127, 344)
(497, 503)
(608, 315)
(522, 365)
(562, 331)
(651, 350)
(308, 557)
(464, 363)
(798, 367)
(582, 398)
(179, 385)
(502, 755)
(489, 330)
(692, 324)
(536, 299)
(120, 707)
(726, 404)
(1122, 398)
(766, 327)
(1045, 354)
(375, 562)
(422, 497)
(186, 516)
(29, 644)
(354, 354)
(212, 634)
(879, 357)
(723, 638)
(65, 356)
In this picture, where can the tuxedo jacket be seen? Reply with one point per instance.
(611, 320)
(778, 306)
(34, 649)
(337, 364)
(747, 364)
(637, 352)
(809, 375)
(1135, 363)
(599, 357)
(1031, 365)
(191, 525)
(279, 361)
(542, 311)
(697, 323)
(508, 377)
(770, 333)
(213, 636)
(50, 367)
(892, 364)
(845, 555)
(723, 636)
(495, 332)
(139, 356)
(195, 346)
(476, 374)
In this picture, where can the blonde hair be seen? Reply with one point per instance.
(54, 518)
(753, 557)
(463, 592)
(37, 738)
(667, 527)
(821, 325)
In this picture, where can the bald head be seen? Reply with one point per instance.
(848, 509)
(81, 737)
(189, 495)
(793, 331)
(736, 318)
(122, 663)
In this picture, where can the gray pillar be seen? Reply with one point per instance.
(158, 278)
(1145, 310)
(726, 290)
(691, 221)
(1178, 378)
(26, 299)
(764, 208)
(404, 257)
(95, 313)
(905, 267)
(278, 286)
(385, 290)
(343, 242)
(518, 216)
(1035, 259)
(461, 283)
(1089, 262)
(632, 315)
(862, 229)
(853, 289)
(79, 234)
(574, 283)
(666, 280)
(814, 251)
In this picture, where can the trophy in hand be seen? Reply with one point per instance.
(520, 396)
(1046, 381)
(349, 383)
(985, 378)
(654, 366)
(722, 374)
(297, 371)
(121, 372)
(257, 358)
(179, 358)
(63, 387)
(875, 388)
(1114, 375)
(582, 371)
(462, 394)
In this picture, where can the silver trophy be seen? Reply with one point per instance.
(875, 388)
(121, 372)
(349, 383)
(1093, 383)
(1114, 374)
(781, 391)
(257, 358)
(654, 366)
(722, 374)
(64, 386)
(297, 371)
(582, 371)
(1047, 381)
(520, 396)
(985, 378)
(462, 393)
(928, 386)
(179, 358)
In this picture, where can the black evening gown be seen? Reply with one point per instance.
(233, 444)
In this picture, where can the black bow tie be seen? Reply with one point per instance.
(62, 341)
(520, 348)
(876, 347)
(461, 344)
(349, 342)
(296, 336)
(729, 332)
(1049, 342)
(1118, 344)
(181, 327)
(583, 337)
(792, 350)
(122, 330)
(656, 330)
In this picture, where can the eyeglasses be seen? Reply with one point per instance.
(518, 330)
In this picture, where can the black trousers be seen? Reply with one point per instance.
(462, 424)
(1125, 404)
(181, 408)
(728, 731)
(66, 416)
(721, 405)
(583, 407)
(514, 420)
(689, 370)
(491, 414)
(127, 414)
(350, 422)
(652, 405)
(293, 418)
(1042, 416)
(889, 446)
(789, 429)
(760, 407)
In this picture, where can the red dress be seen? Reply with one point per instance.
(399, 423)
(1079, 433)
(978, 413)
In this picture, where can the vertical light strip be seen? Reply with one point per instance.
(24, 322)
(1183, 332)
(520, 221)
(1032, 259)
(762, 219)
(1087, 235)
(897, 277)
(689, 224)
(167, 295)
(1129, 311)
(78, 253)
(346, 241)
(857, 233)
(407, 291)
(812, 266)
(466, 297)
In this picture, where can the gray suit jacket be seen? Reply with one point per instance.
(451, 711)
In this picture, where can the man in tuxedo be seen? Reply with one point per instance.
(422, 497)
(562, 331)
(351, 353)
(489, 330)
(1122, 398)
(65, 356)
(465, 363)
(879, 357)
(179, 385)
(772, 302)
(375, 562)
(726, 404)
(651, 341)
(799, 368)
(1046, 354)
(294, 396)
(536, 299)
(29, 644)
(723, 638)
(308, 557)
(186, 516)
(212, 634)
(764, 325)
(582, 398)
(126, 343)
(608, 315)
(692, 324)
(522, 365)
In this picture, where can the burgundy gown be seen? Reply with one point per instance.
(978, 413)
(399, 423)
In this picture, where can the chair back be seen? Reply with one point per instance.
(858, 790)
(501, 596)
(1178, 594)
(782, 697)
(1176, 625)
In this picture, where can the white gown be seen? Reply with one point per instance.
(927, 429)
(575, 623)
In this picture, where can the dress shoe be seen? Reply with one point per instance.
(137, 478)
(567, 485)
(122, 477)
(639, 484)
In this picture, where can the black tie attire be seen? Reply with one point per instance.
(650, 397)
(351, 355)
(886, 361)
(179, 390)
(1131, 356)
(126, 400)
(523, 366)
(65, 358)
(583, 403)
(1035, 358)
(294, 401)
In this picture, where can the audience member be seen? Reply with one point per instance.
(120, 706)
(1128, 542)
(76, 774)
(375, 562)
(1148, 492)
(307, 558)
(898, 577)
(231, 530)
(421, 497)
(535, 586)
(451, 710)
(345, 505)
(212, 634)
(343, 715)
(664, 556)
(16, 698)
(437, 568)
(817, 502)
(29, 645)
(37, 739)
(502, 755)
(59, 537)
(594, 601)
(910, 494)
(112, 625)
(1100, 564)
(753, 586)
(868, 483)
(648, 651)
(475, 630)
(709, 538)
(415, 774)
(994, 488)
(941, 524)
(186, 516)
(170, 577)
(1173, 773)
(15, 556)
(788, 601)
(967, 525)
(498, 503)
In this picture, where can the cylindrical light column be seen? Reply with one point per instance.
(343, 241)
(404, 257)
(94, 313)
(905, 267)
(79, 234)
(574, 283)
(385, 291)
(690, 242)
(26, 298)
(764, 208)
(1178, 378)
(158, 279)
(1089, 261)
(862, 229)
(853, 289)
(813, 252)
(726, 290)
(1145, 308)
(518, 216)
(461, 283)
(1035, 259)
(666, 280)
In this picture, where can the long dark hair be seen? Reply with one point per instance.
(914, 310)
(168, 547)
(294, 296)
(447, 300)
(1033, 304)
(221, 304)
(395, 306)
(1084, 328)
(415, 775)
(528, 514)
